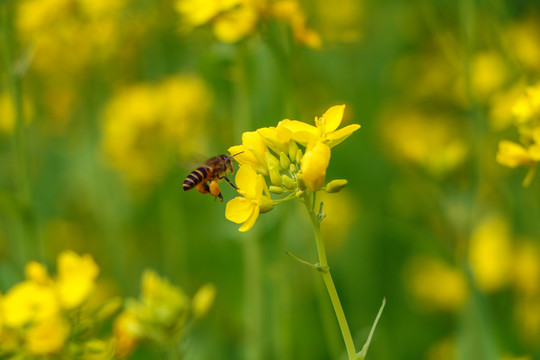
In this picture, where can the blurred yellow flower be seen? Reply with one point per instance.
(527, 106)
(47, 337)
(325, 129)
(76, 277)
(488, 73)
(526, 268)
(314, 165)
(252, 152)
(522, 39)
(233, 20)
(431, 141)
(490, 253)
(143, 122)
(246, 209)
(126, 330)
(512, 154)
(436, 284)
(444, 349)
(29, 302)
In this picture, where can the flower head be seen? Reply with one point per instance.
(252, 152)
(325, 129)
(314, 165)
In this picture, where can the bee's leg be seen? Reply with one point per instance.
(229, 181)
(203, 188)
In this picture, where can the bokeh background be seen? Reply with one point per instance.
(106, 106)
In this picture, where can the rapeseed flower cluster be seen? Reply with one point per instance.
(161, 315)
(288, 161)
(233, 20)
(58, 317)
(525, 112)
(144, 121)
(46, 316)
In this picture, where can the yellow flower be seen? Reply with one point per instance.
(490, 254)
(512, 154)
(252, 152)
(246, 209)
(325, 130)
(28, 302)
(527, 106)
(437, 284)
(126, 327)
(47, 337)
(314, 164)
(76, 278)
(276, 138)
(234, 25)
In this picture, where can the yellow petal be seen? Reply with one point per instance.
(300, 131)
(235, 24)
(251, 220)
(336, 137)
(512, 154)
(239, 209)
(332, 118)
(246, 180)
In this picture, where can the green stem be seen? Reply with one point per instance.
(327, 277)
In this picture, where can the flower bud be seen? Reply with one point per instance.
(293, 169)
(275, 177)
(335, 186)
(299, 156)
(276, 189)
(314, 165)
(284, 161)
(288, 182)
(271, 160)
(293, 149)
(266, 205)
(110, 308)
(299, 194)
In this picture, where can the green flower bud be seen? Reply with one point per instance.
(299, 156)
(202, 300)
(293, 169)
(293, 149)
(300, 181)
(266, 205)
(335, 186)
(271, 160)
(276, 189)
(275, 177)
(284, 161)
(110, 308)
(288, 182)
(299, 194)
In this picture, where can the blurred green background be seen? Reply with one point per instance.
(104, 106)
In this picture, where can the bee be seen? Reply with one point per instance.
(205, 178)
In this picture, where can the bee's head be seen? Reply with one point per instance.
(228, 160)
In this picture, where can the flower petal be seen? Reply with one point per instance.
(251, 220)
(336, 137)
(314, 164)
(512, 154)
(332, 118)
(239, 209)
(246, 180)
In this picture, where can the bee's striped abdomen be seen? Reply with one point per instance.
(196, 177)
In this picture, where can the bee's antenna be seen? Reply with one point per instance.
(236, 154)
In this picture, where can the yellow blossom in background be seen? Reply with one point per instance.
(234, 20)
(512, 154)
(522, 39)
(435, 284)
(76, 278)
(501, 106)
(527, 106)
(144, 121)
(341, 214)
(488, 73)
(47, 337)
(29, 302)
(246, 209)
(126, 330)
(526, 268)
(444, 349)
(340, 20)
(433, 142)
(490, 253)
(7, 114)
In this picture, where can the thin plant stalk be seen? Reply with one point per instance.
(324, 269)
